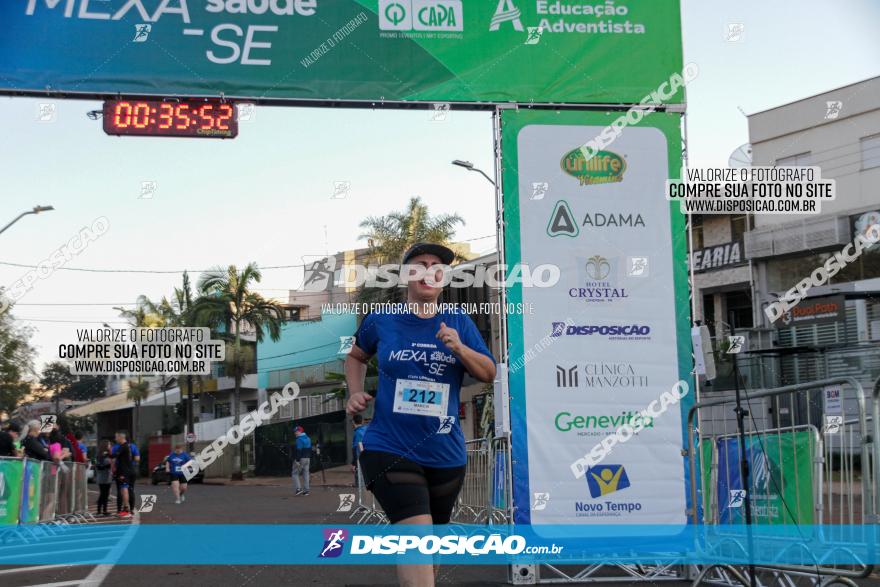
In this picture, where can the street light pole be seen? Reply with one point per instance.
(470, 167)
(36, 210)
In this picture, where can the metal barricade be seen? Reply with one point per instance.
(48, 495)
(804, 472)
(65, 489)
(800, 482)
(501, 496)
(483, 498)
(80, 488)
(367, 509)
(33, 491)
(473, 500)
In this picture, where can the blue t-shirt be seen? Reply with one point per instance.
(134, 449)
(408, 349)
(357, 437)
(303, 447)
(175, 461)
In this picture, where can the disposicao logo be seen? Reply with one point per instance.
(603, 167)
(605, 479)
(334, 542)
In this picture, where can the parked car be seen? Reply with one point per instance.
(159, 475)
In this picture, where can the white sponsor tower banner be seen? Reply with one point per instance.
(603, 345)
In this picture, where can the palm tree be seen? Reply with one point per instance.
(226, 299)
(145, 314)
(137, 392)
(371, 382)
(180, 313)
(390, 236)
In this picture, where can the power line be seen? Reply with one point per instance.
(68, 321)
(151, 271)
(175, 271)
(336, 344)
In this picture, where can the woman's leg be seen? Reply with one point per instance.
(416, 575)
(103, 497)
(402, 490)
(444, 487)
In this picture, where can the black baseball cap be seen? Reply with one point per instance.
(444, 253)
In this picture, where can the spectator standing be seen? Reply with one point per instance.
(34, 447)
(8, 439)
(357, 444)
(123, 470)
(135, 459)
(103, 476)
(302, 457)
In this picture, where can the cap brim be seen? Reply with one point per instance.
(445, 254)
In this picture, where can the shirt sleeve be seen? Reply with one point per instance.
(367, 336)
(470, 336)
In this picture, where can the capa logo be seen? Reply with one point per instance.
(603, 167)
(421, 15)
(334, 540)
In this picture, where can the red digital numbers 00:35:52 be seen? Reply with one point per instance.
(184, 118)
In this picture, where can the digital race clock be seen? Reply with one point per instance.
(177, 118)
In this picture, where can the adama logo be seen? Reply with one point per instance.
(334, 541)
(603, 167)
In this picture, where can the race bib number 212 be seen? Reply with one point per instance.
(421, 398)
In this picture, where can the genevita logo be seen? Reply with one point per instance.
(593, 425)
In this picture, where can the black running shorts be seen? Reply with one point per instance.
(405, 489)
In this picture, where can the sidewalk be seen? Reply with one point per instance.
(335, 477)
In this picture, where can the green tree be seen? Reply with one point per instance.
(16, 361)
(137, 392)
(145, 314)
(371, 381)
(86, 387)
(56, 379)
(391, 235)
(180, 312)
(227, 300)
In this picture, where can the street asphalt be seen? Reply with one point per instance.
(269, 502)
